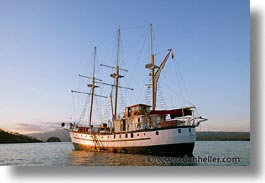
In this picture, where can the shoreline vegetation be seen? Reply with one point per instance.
(63, 136)
(7, 137)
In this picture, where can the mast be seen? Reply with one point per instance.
(92, 86)
(93, 89)
(117, 77)
(152, 61)
(155, 73)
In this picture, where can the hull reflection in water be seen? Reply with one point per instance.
(88, 158)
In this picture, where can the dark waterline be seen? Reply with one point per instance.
(206, 153)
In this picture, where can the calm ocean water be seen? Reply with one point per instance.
(206, 153)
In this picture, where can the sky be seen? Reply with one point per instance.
(44, 45)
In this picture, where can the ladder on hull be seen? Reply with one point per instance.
(98, 145)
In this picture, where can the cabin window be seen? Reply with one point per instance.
(138, 134)
(138, 119)
(189, 130)
(114, 136)
(131, 135)
(126, 135)
(108, 136)
(120, 136)
(144, 133)
(179, 130)
(157, 132)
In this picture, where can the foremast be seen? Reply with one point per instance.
(92, 86)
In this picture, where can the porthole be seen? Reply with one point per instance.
(157, 132)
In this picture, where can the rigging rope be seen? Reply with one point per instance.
(173, 91)
(148, 92)
(110, 50)
(85, 109)
(177, 70)
(161, 97)
(73, 100)
(98, 110)
(144, 36)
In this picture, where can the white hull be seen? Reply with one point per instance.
(164, 141)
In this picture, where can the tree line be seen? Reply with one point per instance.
(12, 137)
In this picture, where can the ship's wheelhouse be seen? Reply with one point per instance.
(134, 118)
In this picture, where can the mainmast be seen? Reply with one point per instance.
(92, 88)
(117, 77)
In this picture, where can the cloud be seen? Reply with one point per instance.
(37, 127)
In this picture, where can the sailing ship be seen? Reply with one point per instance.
(142, 128)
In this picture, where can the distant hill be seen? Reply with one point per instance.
(221, 136)
(10, 137)
(61, 134)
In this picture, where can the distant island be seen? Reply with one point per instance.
(11, 137)
(223, 136)
(53, 139)
(50, 136)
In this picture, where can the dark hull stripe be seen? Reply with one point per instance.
(169, 149)
(137, 131)
(113, 140)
